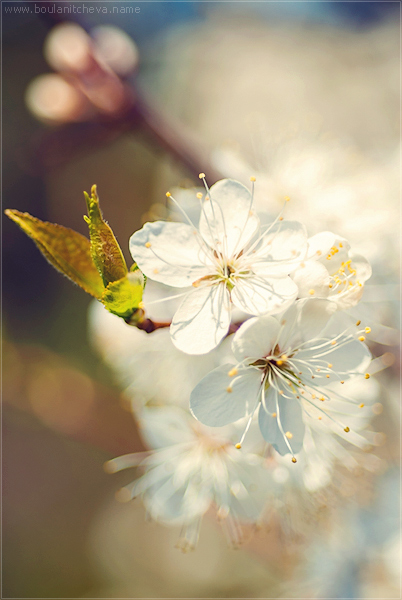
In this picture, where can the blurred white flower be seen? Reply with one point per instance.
(285, 367)
(190, 469)
(227, 260)
(360, 558)
(326, 444)
(332, 271)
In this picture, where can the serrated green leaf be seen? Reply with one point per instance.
(123, 297)
(68, 251)
(105, 250)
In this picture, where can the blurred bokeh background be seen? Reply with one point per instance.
(304, 95)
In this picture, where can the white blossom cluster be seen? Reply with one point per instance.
(262, 365)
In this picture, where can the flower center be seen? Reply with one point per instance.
(209, 443)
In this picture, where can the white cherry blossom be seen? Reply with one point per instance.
(228, 260)
(285, 367)
(190, 469)
(332, 271)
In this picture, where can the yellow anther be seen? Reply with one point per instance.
(319, 418)
(302, 392)
(281, 392)
(322, 398)
(238, 446)
(199, 195)
(318, 370)
(333, 343)
(361, 338)
(207, 198)
(330, 365)
(280, 219)
(279, 362)
(287, 198)
(367, 376)
(290, 383)
(367, 329)
(229, 390)
(329, 257)
(233, 372)
(252, 178)
(327, 376)
(330, 285)
(148, 245)
(313, 396)
(168, 194)
(294, 460)
(312, 292)
(284, 357)
(346, 429)
(358, 323)
(273, 415)
(123, 495)
(201, 175)
(141, 304)
(156, 271)
(302, 265)
(318, 252)
(340, 245)
(289, 435)
(342, 381)
(361, 405)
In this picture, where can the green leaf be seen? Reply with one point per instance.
(68, 251)
(124, 297)
(105, 250)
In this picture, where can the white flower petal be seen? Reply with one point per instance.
(169, 253)
(255, 338)
(249, 486)
(285, 241)
(165, 426)
(314, 315)
(202, 319)
(312, 278)
(212, 403)
(320, 244)
(269, 268)
(165, 501)
(346, 360)
(304, 320)
(228, 212)
(349, 297)
(288, 413)
(257, 296)
(340, 321)
(362, 266)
